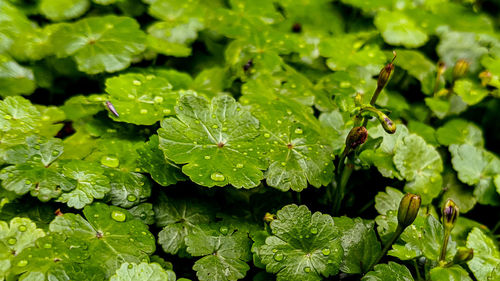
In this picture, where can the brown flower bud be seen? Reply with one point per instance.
(408, 209)
(268, 217)
(460, 68)
(356, 137)
(387, 123)
(450, 215)
(385, 74)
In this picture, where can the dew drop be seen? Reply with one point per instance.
(136, 82)
(279, 121)
(307, 269)
(130, 266)
(22, 263)
(224, 230)
(131, 197)
(314, 230)
(217, 176)
(267, 135)
(7, 117)
(143, 216)
(22, 228)
(283, 164)
(298, 131)
(47, 245)
(326, 251)
(12, 241)
(167, 111)
(275, 250)
(118, 216)
(27, 182)
(207, 157)
(215, 126)
(158, 99)
(239, 165)
(144, 111)
(278, 256)
(55, 153)
(96, 215)
(224, 129)
(110, 161)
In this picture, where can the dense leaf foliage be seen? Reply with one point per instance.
(249, 139)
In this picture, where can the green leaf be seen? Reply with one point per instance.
(16, 236)
(303, 246)
(460, 45)
(173, 38)
(424, 237)
(113, 235)
(459, 131)
(470, 92)
(140, 99)
(57, 257)
(427, 132)
(460, 194)
(360, 244)
(420, 164)
(15, 79)
(78, 107)
(225, 251)
(398, 29)
(388, 200)
(127, 188)
(100, 44)
(152, 160)
(91, 183)
(17, 114)
(297, 154)
(63, 9)
(141, 271)
(418, 66)
(388, 272)
(179, 218)
(453, 273)
(486, 254)
(143, 212)
(214, 140)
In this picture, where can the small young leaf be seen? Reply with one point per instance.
(141, 271)
(388, 272)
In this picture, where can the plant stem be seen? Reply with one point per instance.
(419, 277)
(387, 246)
(442, 257)
(496, 227)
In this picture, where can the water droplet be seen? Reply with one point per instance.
(131, 197)
(275, 250)
(47, 245)
(118, 216)
(7, 117)
(143, 233)
(27, 182)
(110, 161)
(207, 157)
(283, 164)
(130, 266)
(314, 230)
(266, 135)
(307, 269)
(278, 256)
(143, 215)
(217, 176)
(96, 215)
(55, 153)
(325, 251)
(215, 126)
(12, 241)
(167, 111)
(22, 263)
(239, 165)
(298, 131)
(223, 230)
(158, 99)
(136, 82)
(279, 122)
(131, 239)
(326, 163)
(22, 228)
(144, 111)
(224, 129)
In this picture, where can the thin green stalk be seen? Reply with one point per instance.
(496, 227)
(419, 277)
(387, 246)
(442, 257)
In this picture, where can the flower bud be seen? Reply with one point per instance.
(441, 67)
(450, 215)
(268, 217)
(387, 123)
(385, 74)
(460, 68)
(463, 255)
(356, 137)
(485, 77)
(408, 209)
(358, 99)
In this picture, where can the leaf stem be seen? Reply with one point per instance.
(442, 257)
(387, 246)
(419, 277)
